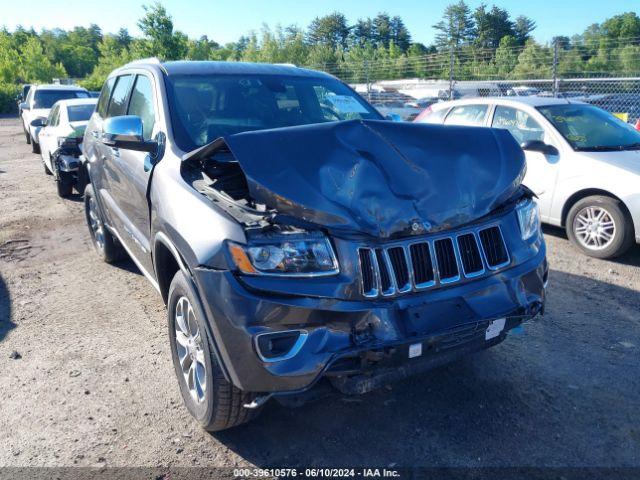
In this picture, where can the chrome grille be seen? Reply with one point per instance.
(418, 265)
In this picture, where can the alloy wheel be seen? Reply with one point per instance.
(190, 350)
(97, 227)
(594, 228)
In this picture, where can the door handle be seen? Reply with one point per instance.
(116, 152)
(94, 133)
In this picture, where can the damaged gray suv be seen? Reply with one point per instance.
(299, 240)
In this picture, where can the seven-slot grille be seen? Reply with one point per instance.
(418, 265)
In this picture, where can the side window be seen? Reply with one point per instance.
(142, 105)
(470, 115)
(118, 102)
(521, 125)
(103, 101)
(52, 121)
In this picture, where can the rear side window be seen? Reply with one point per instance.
(118, 103)
(80, 113)
(471, 115)
(103, 102)
(142, 105)
(52, 121)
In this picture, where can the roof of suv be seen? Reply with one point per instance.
(56, 86)
(193, 67)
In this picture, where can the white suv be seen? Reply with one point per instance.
(38, 104)
(582, 162)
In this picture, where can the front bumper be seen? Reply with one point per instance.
(347, 338)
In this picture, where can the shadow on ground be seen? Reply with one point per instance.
(632, 257)
(6, 325)
(556, 395)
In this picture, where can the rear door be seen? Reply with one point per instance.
(542, 170)
(129, 177)
(472, 115)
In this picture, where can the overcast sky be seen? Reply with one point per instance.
(225, 21)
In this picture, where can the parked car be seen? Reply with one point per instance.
(38, 104)
(299, 238)
(582, 163)
(22, 96)
(626, 105)
(60, 137)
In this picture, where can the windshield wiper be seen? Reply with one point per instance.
(609, 148)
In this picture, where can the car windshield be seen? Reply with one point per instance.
(80, 113)
(590, 129)
(206, 107)
(46, 98)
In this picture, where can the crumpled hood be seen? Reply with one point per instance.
(380, 178)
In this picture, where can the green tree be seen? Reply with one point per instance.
(491, 26)
(330, 31)
(160, 40)
(534, 61)
(456, 27)
(506, 57)
(522, 28)
(35, 66)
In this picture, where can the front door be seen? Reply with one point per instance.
(129, 178)
(541, 169)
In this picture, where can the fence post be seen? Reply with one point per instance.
(367, 80)
(451, 65)
(555, 67)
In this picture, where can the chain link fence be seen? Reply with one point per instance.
(606, 74)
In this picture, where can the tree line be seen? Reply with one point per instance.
(485, 42)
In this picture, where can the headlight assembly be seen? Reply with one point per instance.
(528, 218)
(304, 255)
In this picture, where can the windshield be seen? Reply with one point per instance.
(46, 98)
(206, 107)
(588, 128)
(80, 113)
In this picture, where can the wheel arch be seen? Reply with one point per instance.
(589, 192)
(167, 261)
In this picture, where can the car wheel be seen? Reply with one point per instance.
(105, 243)
(214, 402)
(64, 183)
(46, 169)
(26, 134)
(35, 146)
(600, 227)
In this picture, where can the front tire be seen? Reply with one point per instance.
(214, 402)
(26, 133)
(35, 146)
(600, 227)
(106, 245)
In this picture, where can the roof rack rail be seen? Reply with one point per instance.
(154, 60)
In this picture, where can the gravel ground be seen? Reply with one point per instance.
(94, 384)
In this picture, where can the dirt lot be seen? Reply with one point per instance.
(95, 383)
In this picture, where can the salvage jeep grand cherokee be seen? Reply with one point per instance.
(297, 237)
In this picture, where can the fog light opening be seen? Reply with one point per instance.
(278, 346)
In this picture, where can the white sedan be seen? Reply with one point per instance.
(582, 162)
(60, 137)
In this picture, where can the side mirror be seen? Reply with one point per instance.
(126, 132)
(38, 122)
(24, 106)
(539, 146)
(393, 117)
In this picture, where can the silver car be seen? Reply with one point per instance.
(583, 163)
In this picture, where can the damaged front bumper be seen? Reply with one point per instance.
(360, 344)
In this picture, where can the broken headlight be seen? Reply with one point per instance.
(289, 255)
(528, 218)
